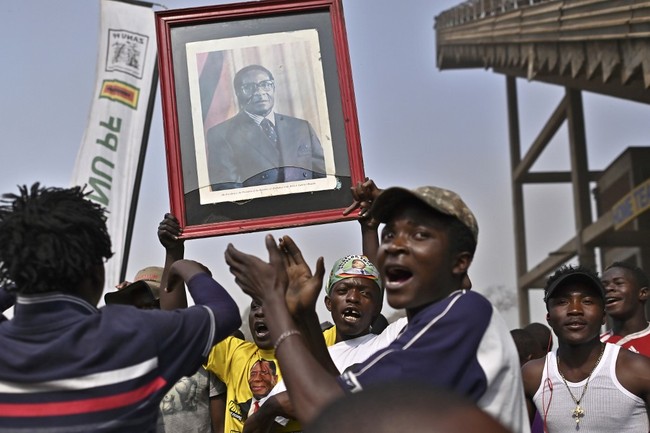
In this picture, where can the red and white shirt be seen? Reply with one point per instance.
(638, 342)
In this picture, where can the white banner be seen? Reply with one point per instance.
(108, 157)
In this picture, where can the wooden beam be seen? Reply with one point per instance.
(555, 176)
(542, 140)
(536, 277)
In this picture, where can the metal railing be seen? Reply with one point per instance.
(473, 10)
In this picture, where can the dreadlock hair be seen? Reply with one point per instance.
(50, 238)
(640, 278)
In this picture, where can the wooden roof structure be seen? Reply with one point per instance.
(601, 46)
(597, 45)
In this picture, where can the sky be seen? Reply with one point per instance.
(418, 126)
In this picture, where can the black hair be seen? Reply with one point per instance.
(271, 363)
(640, 278)
(461, 238)
(50, 237)
(527, 347)
(567, 270)
(542, 335)
(237, 81)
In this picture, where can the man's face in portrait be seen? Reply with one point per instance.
(256, 93)
(262, 379)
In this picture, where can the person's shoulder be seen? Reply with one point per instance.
(232, 122)
(477, 306)
(631, 360)
(476, 298)
(232, 344)
(631, 371)
(531, 374)
(464, 311)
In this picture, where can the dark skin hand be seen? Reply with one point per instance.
(263, 420)
(309, 374)
(169, 232)
(288, 272)
(363, 195)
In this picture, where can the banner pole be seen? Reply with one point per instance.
(138, 174)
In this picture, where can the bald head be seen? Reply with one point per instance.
(390, 408)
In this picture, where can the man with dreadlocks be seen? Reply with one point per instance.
(67, 366)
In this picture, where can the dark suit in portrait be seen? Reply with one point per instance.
(258, 146)
(240, 154)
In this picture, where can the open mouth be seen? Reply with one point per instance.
(611, 300)
(261, 330)
(351, 315)
(396, 275)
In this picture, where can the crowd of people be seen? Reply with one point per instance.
(146, 362)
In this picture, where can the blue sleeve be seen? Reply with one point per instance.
(438, 347)
(207, 292)
(186, 335)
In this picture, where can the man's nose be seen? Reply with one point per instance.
(396, 244)
(575, 306)
(353, 295)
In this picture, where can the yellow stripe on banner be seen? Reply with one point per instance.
(120, 91)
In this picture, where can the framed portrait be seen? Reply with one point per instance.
(259, 114)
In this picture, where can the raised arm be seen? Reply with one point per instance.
(363, 194)
(207, 292)
(310, 385)
(169, 231)
(302, 293)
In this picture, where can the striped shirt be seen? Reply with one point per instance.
(459, 343)
(66, 366)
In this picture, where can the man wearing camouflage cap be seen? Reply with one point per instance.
(454, 340)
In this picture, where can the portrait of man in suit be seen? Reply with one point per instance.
(259, 146)
(263, 377)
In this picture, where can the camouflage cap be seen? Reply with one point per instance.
(439, 199)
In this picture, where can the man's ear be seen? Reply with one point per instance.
(548, 319)
(328, 303)
(461, 264)
(643, 294)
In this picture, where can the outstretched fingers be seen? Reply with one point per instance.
(292, 252)
(254, 276)
(242, 267)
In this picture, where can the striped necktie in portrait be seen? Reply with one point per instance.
(269, 130)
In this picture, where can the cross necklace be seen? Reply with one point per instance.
(579, 412)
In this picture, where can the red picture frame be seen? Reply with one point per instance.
(302, 44)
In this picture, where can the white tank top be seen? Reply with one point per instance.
(608, 407)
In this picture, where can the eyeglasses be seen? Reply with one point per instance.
(264, 86)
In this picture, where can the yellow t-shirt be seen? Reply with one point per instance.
(330, 336)
(231, 360)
